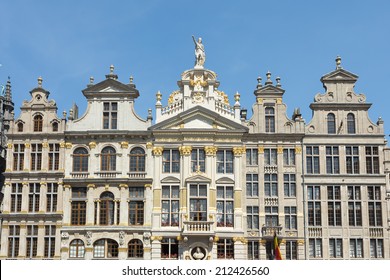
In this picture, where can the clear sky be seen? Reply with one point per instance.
(66, 42)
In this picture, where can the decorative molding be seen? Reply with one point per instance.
(259, 100)
(62, 144)
(298, 150)
(280, 149)
(301, 242)
(241, 239)
(68, 145)
(27, 145)
(149, 145)
(92, 145)
(9, 145)
(210, 150)
(67, 186)
(148, 185)
(45, 145)
(239, 151)
(43, 183)
(279, 101)
(185, 150)
(124, 145)
(157, 151)
(260, 149)
(155, 237)
(123, 186)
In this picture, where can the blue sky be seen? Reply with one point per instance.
(66, 42)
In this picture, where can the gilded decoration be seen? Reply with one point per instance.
(239, 151)
(91, 186)
(298, 150)
(280, 149)
(157, 151)
(223, 96)
(62, 144)
(68, 145)
(259, 100)
(9, 145)
(155, 237)
(301, 242)
(278, 100)
(173, 97)
(148, 186)
(27, 145)
(45, 145)
(123, 186)
(210, 150)
(241, 239)
(92, 145)
(149, 145)
(124, 145)
(185, 150)
(260, 149)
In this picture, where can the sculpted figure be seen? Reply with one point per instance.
(200, 56)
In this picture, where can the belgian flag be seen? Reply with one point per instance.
(277, 253)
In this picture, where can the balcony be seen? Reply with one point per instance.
(79, 175)
(271, 230)
(376, 232)
(108, 174)
(198, 228)
(270, 169)
(315, 231)
(136, 175)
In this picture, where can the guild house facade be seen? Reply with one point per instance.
(200, 179)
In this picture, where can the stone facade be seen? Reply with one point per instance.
(200, 182)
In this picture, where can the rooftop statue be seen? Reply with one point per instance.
(200, 55)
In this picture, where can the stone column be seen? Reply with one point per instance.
(45, 155)
(27, 156)
(4, 240)
(157, 153)
(124, 205)
(25, 192)
(156, 247)
(211, 152)
(185, 153)
(240, 251)
(42, 197)
(67, 202)
(90, 205)
(41, 240)
(147, 203)
(60, 199)
(7, 199)
(238, 212)
(22, 241)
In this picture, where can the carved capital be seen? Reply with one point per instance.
(149, 145)
(157, 151)
(210, 150)
(43, 184)
(62, 144)
(260, 149)
(68, 145)
(185, 150)
(9, 145)
(279, 100)
(259, 100)
(239, 151)
(148, 185)
(298, 150)
(124, 145)
(154, 237)
(92, 145)
(123, 186)
(280, 149)
(45, 145)
(240, 239)
(301, 242)
(27, 145)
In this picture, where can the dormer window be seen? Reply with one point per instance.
(38, 123)
(110, 115)
(269, 119)
(55, 126)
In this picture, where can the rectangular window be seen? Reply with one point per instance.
(314, 205)
(18, 157)
(270, 185)
(16, 197)
(79, 206)
(374, 206)
(288, 157)
(290, 217)
(198, 160)
(13, 241)
(253, 250)
(170, 206)
(252, 157)
(36, 157)
(51, 197)
(225, 249)
(54, 156)
(315, 248)
(171, 161)
(33, 197)
(136, 206)
(354, 206)
(335, 248)
(50, 233)
(252, 185)
(270, 157)
(169, 248)
(198, 202)
(271, 216)
(372, 160)
(332, 160)
(32, 241)
(252, 217)
(290, 189)
(225, 206)
(224, 161)
(356, 248)
(291, 250)
(110, 115)
(376, 248)
(312, 160)
(352, 159)
(334, 206)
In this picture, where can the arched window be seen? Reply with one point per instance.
(55, 126)
(269, 119)
(38, 123)
(105, 248)
(331, 120)
(137, 160)
(76, 249)
(80, 160)
(108, 159)
(20, 127)
(351, 125)
(106, 209)
(135, 249)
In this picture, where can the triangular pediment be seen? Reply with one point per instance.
(198, 179)
(270, 90)
(111, 86)
(198, 118)
(339, 75)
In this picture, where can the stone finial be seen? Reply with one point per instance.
(338, 62)
(278, 84)
(91, 80)
(259, 85)
(40, 81)
(64, 114)
(268, 82)
(150, 117)
(131, 79)
(112, 69)
(158, 96)
(237, 97)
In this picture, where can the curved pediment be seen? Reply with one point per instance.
(224, 180)
(170, 179)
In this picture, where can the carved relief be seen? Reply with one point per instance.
(92, 145)
(239, 151)
(157, 151)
